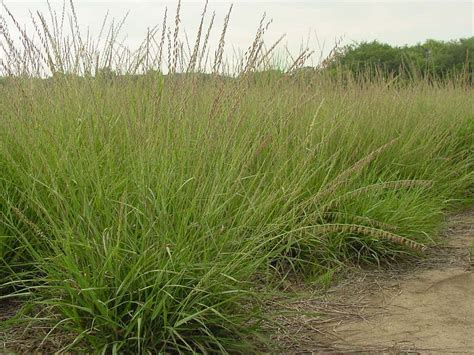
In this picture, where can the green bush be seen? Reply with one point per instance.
(435, 59)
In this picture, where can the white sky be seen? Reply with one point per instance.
(394, 22)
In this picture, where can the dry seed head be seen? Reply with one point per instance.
(357, 219)
(35, 229)
(206, 41)
(193, 59)
(344, 175)
(252, 54)
(266, 56)
(220, 48)
(371, 232)
(300, 60)
(175, 38)
(162, 39)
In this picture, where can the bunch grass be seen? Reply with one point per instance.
(141, 210)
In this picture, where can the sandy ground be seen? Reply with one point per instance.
(432, 310)
(428, 308)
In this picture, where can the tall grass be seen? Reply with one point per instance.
(138, 212)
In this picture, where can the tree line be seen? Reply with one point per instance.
(433, 58)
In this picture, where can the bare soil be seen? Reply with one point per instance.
(427, 307)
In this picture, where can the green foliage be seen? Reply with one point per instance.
(143, 212)
(433, 58)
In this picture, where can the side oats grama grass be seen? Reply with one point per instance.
(146, 195)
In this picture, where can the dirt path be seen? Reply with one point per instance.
(427, 309)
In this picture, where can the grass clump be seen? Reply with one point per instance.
(140, 211)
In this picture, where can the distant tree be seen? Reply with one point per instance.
(432, 58)
(445, 58)
(365, 55)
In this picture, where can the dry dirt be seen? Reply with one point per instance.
(426, 308)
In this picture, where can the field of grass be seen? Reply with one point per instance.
(152, 212)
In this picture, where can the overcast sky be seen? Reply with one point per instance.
(395, 22)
